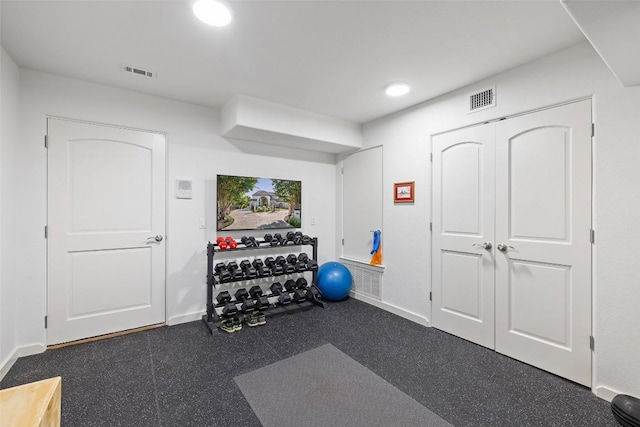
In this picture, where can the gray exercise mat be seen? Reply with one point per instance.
(325, 387)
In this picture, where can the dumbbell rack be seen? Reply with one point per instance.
(211, 319)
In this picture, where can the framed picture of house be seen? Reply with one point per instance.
(250, 203)
(403, 192)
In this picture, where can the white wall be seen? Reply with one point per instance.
(195, 152)
(574, 73)
(9, 126)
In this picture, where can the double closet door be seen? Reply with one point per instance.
(511, 237)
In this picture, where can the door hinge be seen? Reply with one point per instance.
(592, 343)
(430, 296)
(592, 236)
(431, 227)
(46, 141)
(342, 170)
(431, 157)
(45, 321)
(593, 129)
(343, 241)
(46, 231)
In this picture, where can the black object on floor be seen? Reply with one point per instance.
(626, 409)
(183, 376)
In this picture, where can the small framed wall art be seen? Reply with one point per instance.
(403, 192)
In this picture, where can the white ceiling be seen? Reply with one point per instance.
(328, 57)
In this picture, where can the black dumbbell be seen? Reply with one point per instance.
(249, 242)
(290, 236)
(312, 293)
(312, 265)
(301, 265)
(268, 238)
(262, 303)
(248, 270)
(306, 240)
(221, 266)
(278, 240)
(261, 271)
(248, 306)
(276, 288)
(276, 268)
(255, 291)
(292, 259)
(229, 310)
(299, 295)
(223, 273)
(234, 270)
(223, 297)
(282, 262)
(284, 298)
(297, 238)
(241, 295)
(290, 285)
(286, 267)
(301, 283)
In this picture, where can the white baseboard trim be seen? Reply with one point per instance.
(606, 393)
(391, 308)
(18, 352)
(184, 318)
(7, 364)
(30, 349)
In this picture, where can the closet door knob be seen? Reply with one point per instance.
(486, 245)
(504, 248)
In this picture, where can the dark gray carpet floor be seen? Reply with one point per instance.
(182, 376)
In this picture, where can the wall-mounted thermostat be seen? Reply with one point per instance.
(183, 189)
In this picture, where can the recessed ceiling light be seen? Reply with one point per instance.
(397, 89)
(212, 12)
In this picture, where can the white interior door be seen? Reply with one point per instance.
(106, 205)
(463, 221)
(543, 217)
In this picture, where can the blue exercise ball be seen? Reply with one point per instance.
(334, 281)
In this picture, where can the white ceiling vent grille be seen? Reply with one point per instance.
(482, 100)
(138, 71)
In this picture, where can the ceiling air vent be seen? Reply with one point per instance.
(138, 71)
(482, 100)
